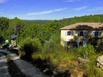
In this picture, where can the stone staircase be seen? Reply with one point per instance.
(13, 66)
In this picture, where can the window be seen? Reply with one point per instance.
(85, 33)
(80, 33)
(96, 33)
(69, 33)
(68, 42)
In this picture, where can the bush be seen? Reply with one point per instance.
(2, 40)
(29, 46)
(100, 47)
(92, 70)
(52, 44)
(86, 51)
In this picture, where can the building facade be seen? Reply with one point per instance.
(80, 34)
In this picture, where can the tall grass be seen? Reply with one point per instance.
(65, 60)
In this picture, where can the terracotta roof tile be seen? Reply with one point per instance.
(84, 26)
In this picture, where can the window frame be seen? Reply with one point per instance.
(70, 33)
(96, 35)
(79, 33)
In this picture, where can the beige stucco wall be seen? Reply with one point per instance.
(101, 33)
(65, 37)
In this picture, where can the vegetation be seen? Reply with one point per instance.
(42, 41)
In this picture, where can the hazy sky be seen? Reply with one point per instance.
(49, 9)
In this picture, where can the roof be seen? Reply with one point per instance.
(84, 26)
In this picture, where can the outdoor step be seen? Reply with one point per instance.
(28, 69)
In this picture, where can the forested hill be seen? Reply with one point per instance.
(44, 30)
(36, 21)
(89, 18)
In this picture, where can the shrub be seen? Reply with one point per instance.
(29, 46)
(86, 51)
(92, 70)
(100, 47)
(52, 44)
(2, 40)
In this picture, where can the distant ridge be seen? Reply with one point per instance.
(86, 18)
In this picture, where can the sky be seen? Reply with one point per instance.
(49, 9)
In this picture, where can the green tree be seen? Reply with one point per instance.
(4, 23)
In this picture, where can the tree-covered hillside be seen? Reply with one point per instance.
(89, 18)
(43, 30)
(36, 21)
